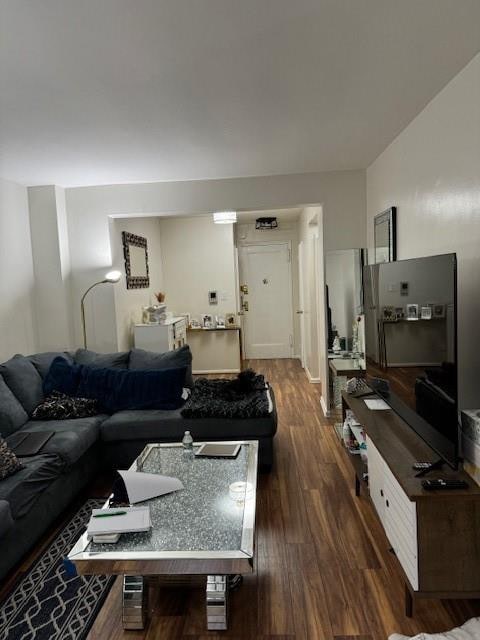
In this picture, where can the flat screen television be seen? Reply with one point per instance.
(411, 341)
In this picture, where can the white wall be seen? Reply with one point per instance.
(198, 257)
(51, 262)
(245, 233)
(342, 194)
(129, 302)
(91, 259)
(16, 273)
(431, 172)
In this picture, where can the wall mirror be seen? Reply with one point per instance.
(385, 235)
(344, 280)
(136, 261)
(345, 319)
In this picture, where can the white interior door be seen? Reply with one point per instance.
(265, 272)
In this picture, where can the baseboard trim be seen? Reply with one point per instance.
(323, 404)
(311, 378)
(205, 371)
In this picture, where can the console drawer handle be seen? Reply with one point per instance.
(381, 492)
(387, 503)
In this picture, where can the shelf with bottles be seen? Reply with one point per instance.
(354, 440)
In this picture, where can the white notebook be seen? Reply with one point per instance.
(377, 404)
(135, 519)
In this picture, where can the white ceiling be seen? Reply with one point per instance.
(110, 91)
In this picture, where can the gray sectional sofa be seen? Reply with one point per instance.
(34, 497)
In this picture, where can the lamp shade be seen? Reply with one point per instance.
(113, 276)
(225, 217)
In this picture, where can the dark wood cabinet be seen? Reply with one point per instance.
(435, 536)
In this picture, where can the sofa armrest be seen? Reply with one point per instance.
(6, 520)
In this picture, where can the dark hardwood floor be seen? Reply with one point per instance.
(323, 569)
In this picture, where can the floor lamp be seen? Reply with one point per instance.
(112, 277)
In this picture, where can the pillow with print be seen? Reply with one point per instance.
(59, 406)
(9, 463)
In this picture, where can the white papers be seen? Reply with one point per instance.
(106, 538)
(143, 486)
(135, 519)
(376, 404)
(270, 403)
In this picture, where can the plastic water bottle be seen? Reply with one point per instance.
(187, 441)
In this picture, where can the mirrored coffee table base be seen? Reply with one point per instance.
(217, 603)
(135, 602)
(217, 588)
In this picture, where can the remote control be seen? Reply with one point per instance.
(419, 466)
(443, 485)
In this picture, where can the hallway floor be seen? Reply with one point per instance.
(323, 567)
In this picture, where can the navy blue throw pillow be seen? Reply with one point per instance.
(119, 389)
(149, 361)
(63, 376)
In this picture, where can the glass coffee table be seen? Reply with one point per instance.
(207, 528)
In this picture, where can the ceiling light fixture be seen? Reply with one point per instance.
(225, 217)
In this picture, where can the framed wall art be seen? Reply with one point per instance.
(136, 261)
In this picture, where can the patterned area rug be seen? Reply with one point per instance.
(49, 605)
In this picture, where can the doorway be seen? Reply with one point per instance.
(266, 300)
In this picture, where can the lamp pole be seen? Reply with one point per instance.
(82, 307)
(111, 277)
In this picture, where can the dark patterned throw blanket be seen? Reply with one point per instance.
(244, 397)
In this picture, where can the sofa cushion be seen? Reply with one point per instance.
(58, 406)
(71, 439)
(117, 390)
(9, 463)
(149, 360)
(43, 361)
(22, 489)
(156, 426)
(12, 414)
(6, 520)
(24, 381)
(102, 360)
(63, 376)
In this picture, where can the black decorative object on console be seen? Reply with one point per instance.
(266, 223)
